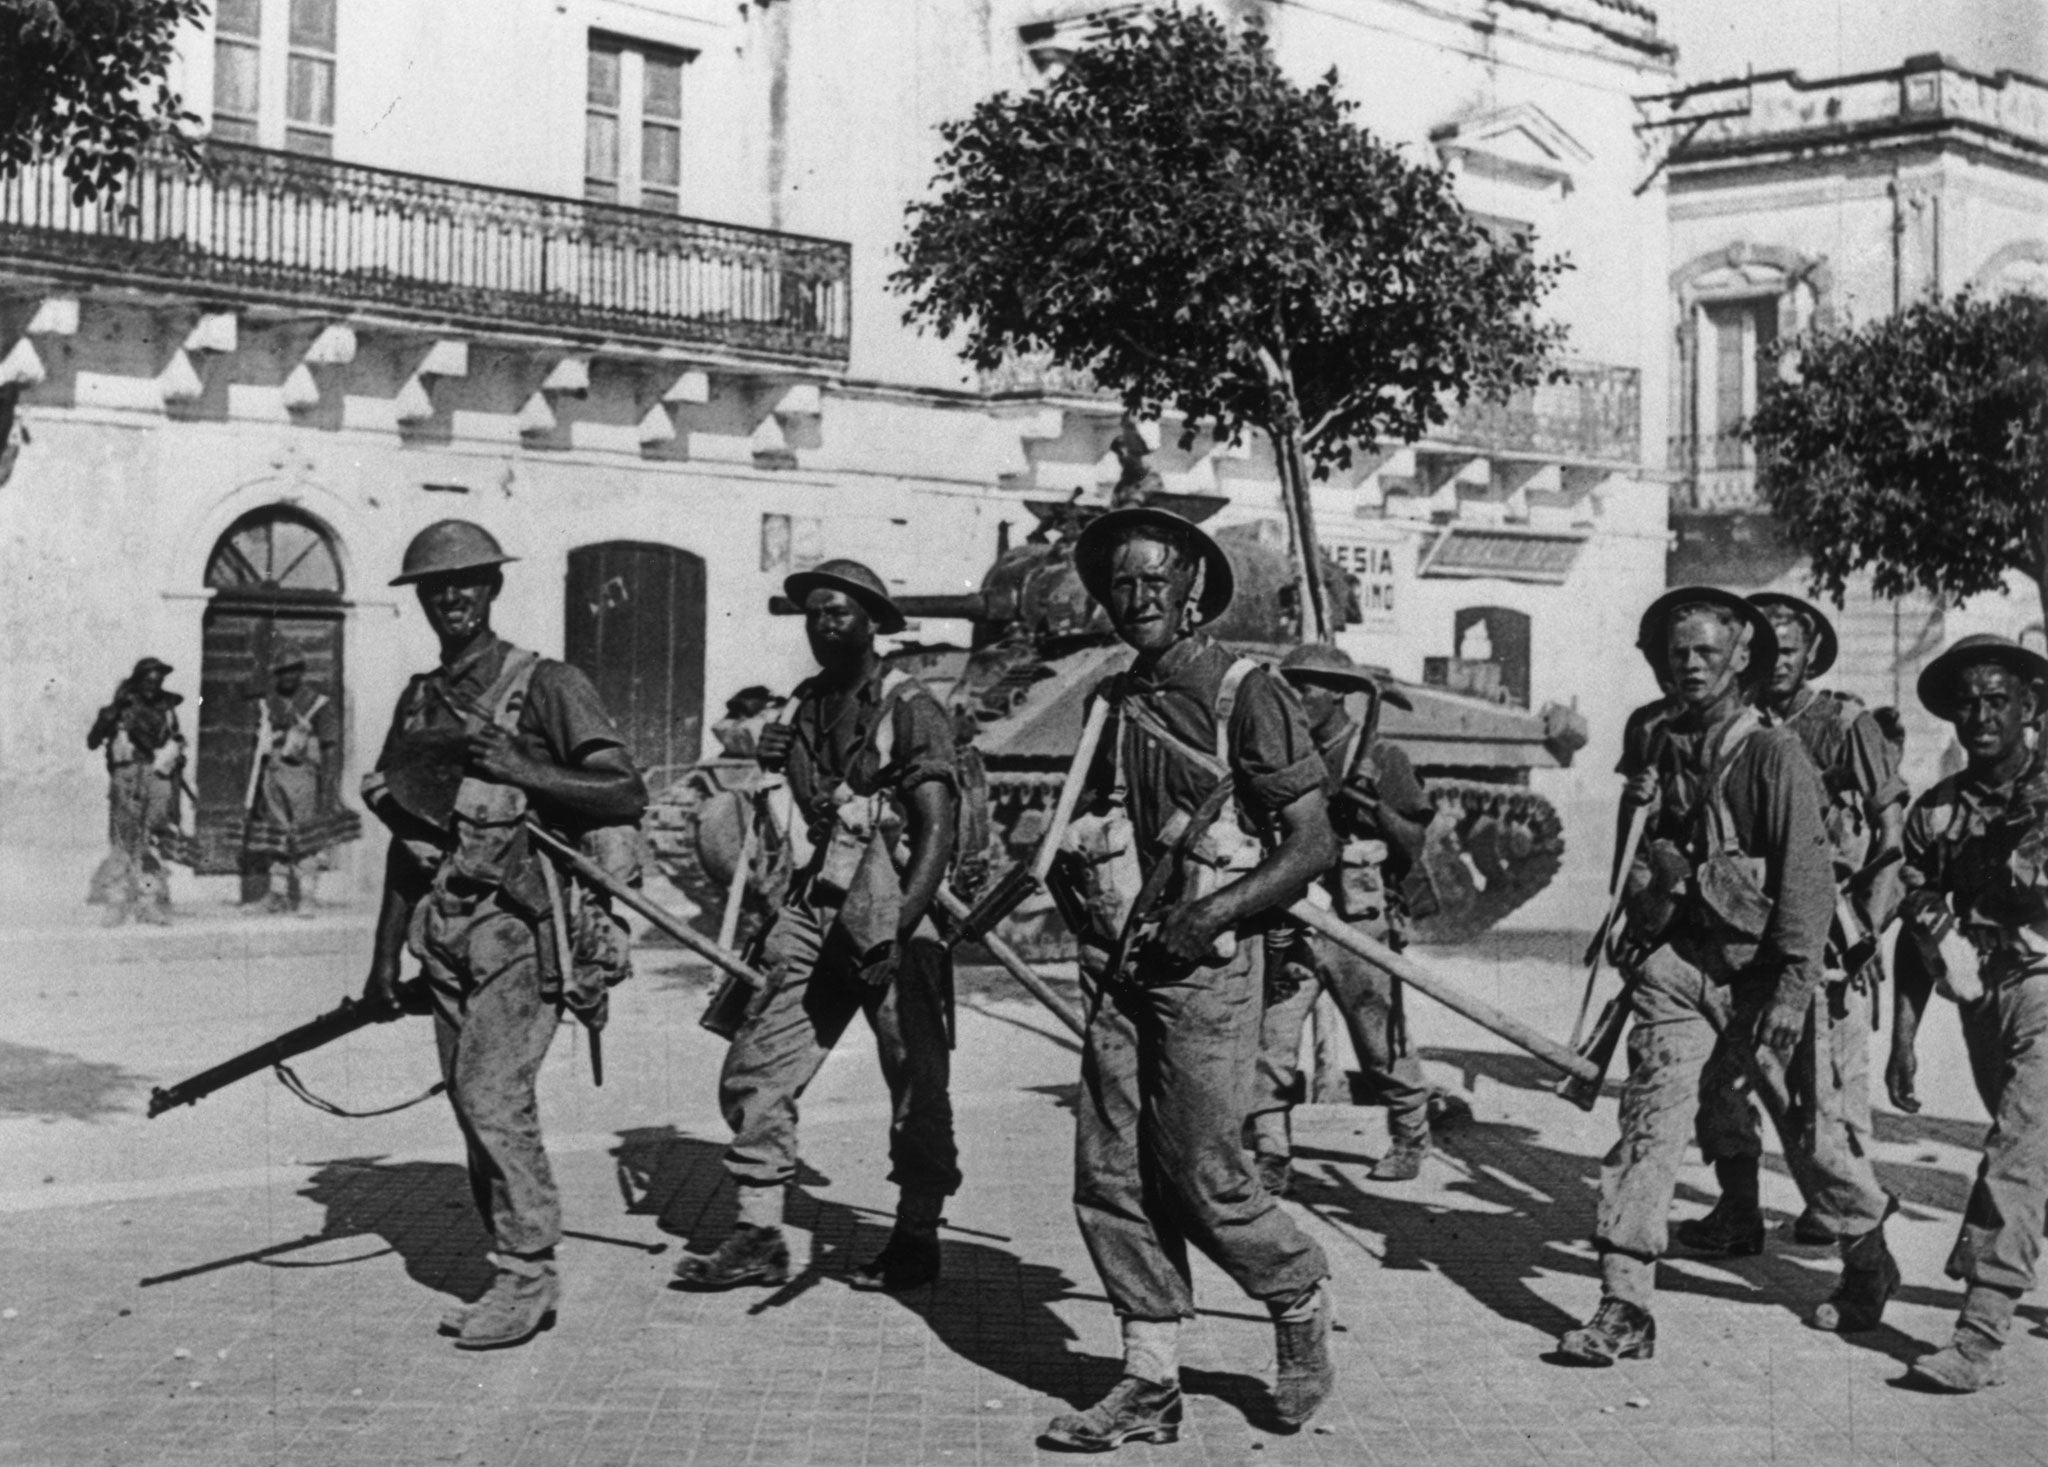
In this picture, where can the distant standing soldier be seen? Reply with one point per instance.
(294, 746)
(491, 737)
(1975, 928)
(145, 759)
(1729, 909)
(868, 753)
(1173, 1034)
(1866, 810)
(1381, 816)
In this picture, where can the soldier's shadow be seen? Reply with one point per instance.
(989, 1307)
(1532, 1214)
(417, 1209)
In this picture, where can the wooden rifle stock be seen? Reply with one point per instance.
(345, 1018)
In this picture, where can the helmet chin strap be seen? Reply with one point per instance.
(1190, 610)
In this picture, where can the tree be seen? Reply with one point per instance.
(1915, 447)
(1176, 216)
(85, 79)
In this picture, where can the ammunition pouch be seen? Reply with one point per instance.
(1731, 891)
(1097, 877)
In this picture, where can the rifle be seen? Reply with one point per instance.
(1407, 970)
(345, 1018)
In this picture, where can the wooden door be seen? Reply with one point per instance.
(634, 618)
(276, 584)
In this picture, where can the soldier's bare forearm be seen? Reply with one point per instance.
(930, 813)
(606, 788)
(1307, 849)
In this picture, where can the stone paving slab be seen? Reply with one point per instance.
(300, 1263)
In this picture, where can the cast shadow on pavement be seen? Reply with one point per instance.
(51, 1085)
(420, 1210)
(989, 1307)
(1533, 1203)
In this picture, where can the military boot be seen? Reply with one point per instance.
(1276, 1173)
(909, 1260)
(1870, 1276)
(1135, 1410)
(1304, 1375)
(749, 1255)
(1735, 1227)
(1970, 1362)
(1618, 1330)
(519, 1304)
(1403, 1159)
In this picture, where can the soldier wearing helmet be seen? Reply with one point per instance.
(145, 759)
(868, 756)
(1172, 873)
(1974, 927)
(1728, 909)
(1381, 815)
(490, 738)
(1866, 810)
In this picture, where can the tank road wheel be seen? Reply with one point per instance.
(1490, 849)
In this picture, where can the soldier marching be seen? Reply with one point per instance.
(1763, 846)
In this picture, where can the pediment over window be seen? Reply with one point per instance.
(1521, 144)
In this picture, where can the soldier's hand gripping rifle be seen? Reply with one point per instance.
(345, 1018)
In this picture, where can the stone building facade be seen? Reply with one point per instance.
(610, 276)
(1797, 202)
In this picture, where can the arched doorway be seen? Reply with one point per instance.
(634, 616)
(276, 583)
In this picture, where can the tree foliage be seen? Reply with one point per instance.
(86, 80)
(1915, 447)
(1205, 236)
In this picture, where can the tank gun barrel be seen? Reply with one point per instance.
(967, 606)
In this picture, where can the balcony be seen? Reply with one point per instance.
(1593, 416)
(281, 228)
(1717, 475)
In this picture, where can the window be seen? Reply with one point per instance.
(237, 68)
(309, 79)
(633, 126)
(1737, 332)
(296, 68)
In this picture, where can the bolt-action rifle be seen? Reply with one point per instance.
(343, 1019)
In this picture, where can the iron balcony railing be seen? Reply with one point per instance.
(252, 224)
(1717, 474)
(1594, 415)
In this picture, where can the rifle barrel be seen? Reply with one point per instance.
(345, 1018)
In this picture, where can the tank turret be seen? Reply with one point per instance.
(1037, 644)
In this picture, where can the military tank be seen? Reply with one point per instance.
(1038, 643)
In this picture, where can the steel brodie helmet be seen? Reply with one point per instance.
(1320, 665)
(857, 581)
(448, 546)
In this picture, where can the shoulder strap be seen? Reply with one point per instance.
(507, 697)
(1721, 821)
(882, 737)
(1226, 702)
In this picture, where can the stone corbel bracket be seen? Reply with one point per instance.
(22, 367)
(569, 377)
(690, 387)
(215, 333)
(335, 346)
(792, 422)
(415, 401)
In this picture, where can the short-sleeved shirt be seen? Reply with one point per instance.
(835, 742)
(1981, 849)
(1272, 759)
(1399, 812)
(562, 722)
(1773, 796)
